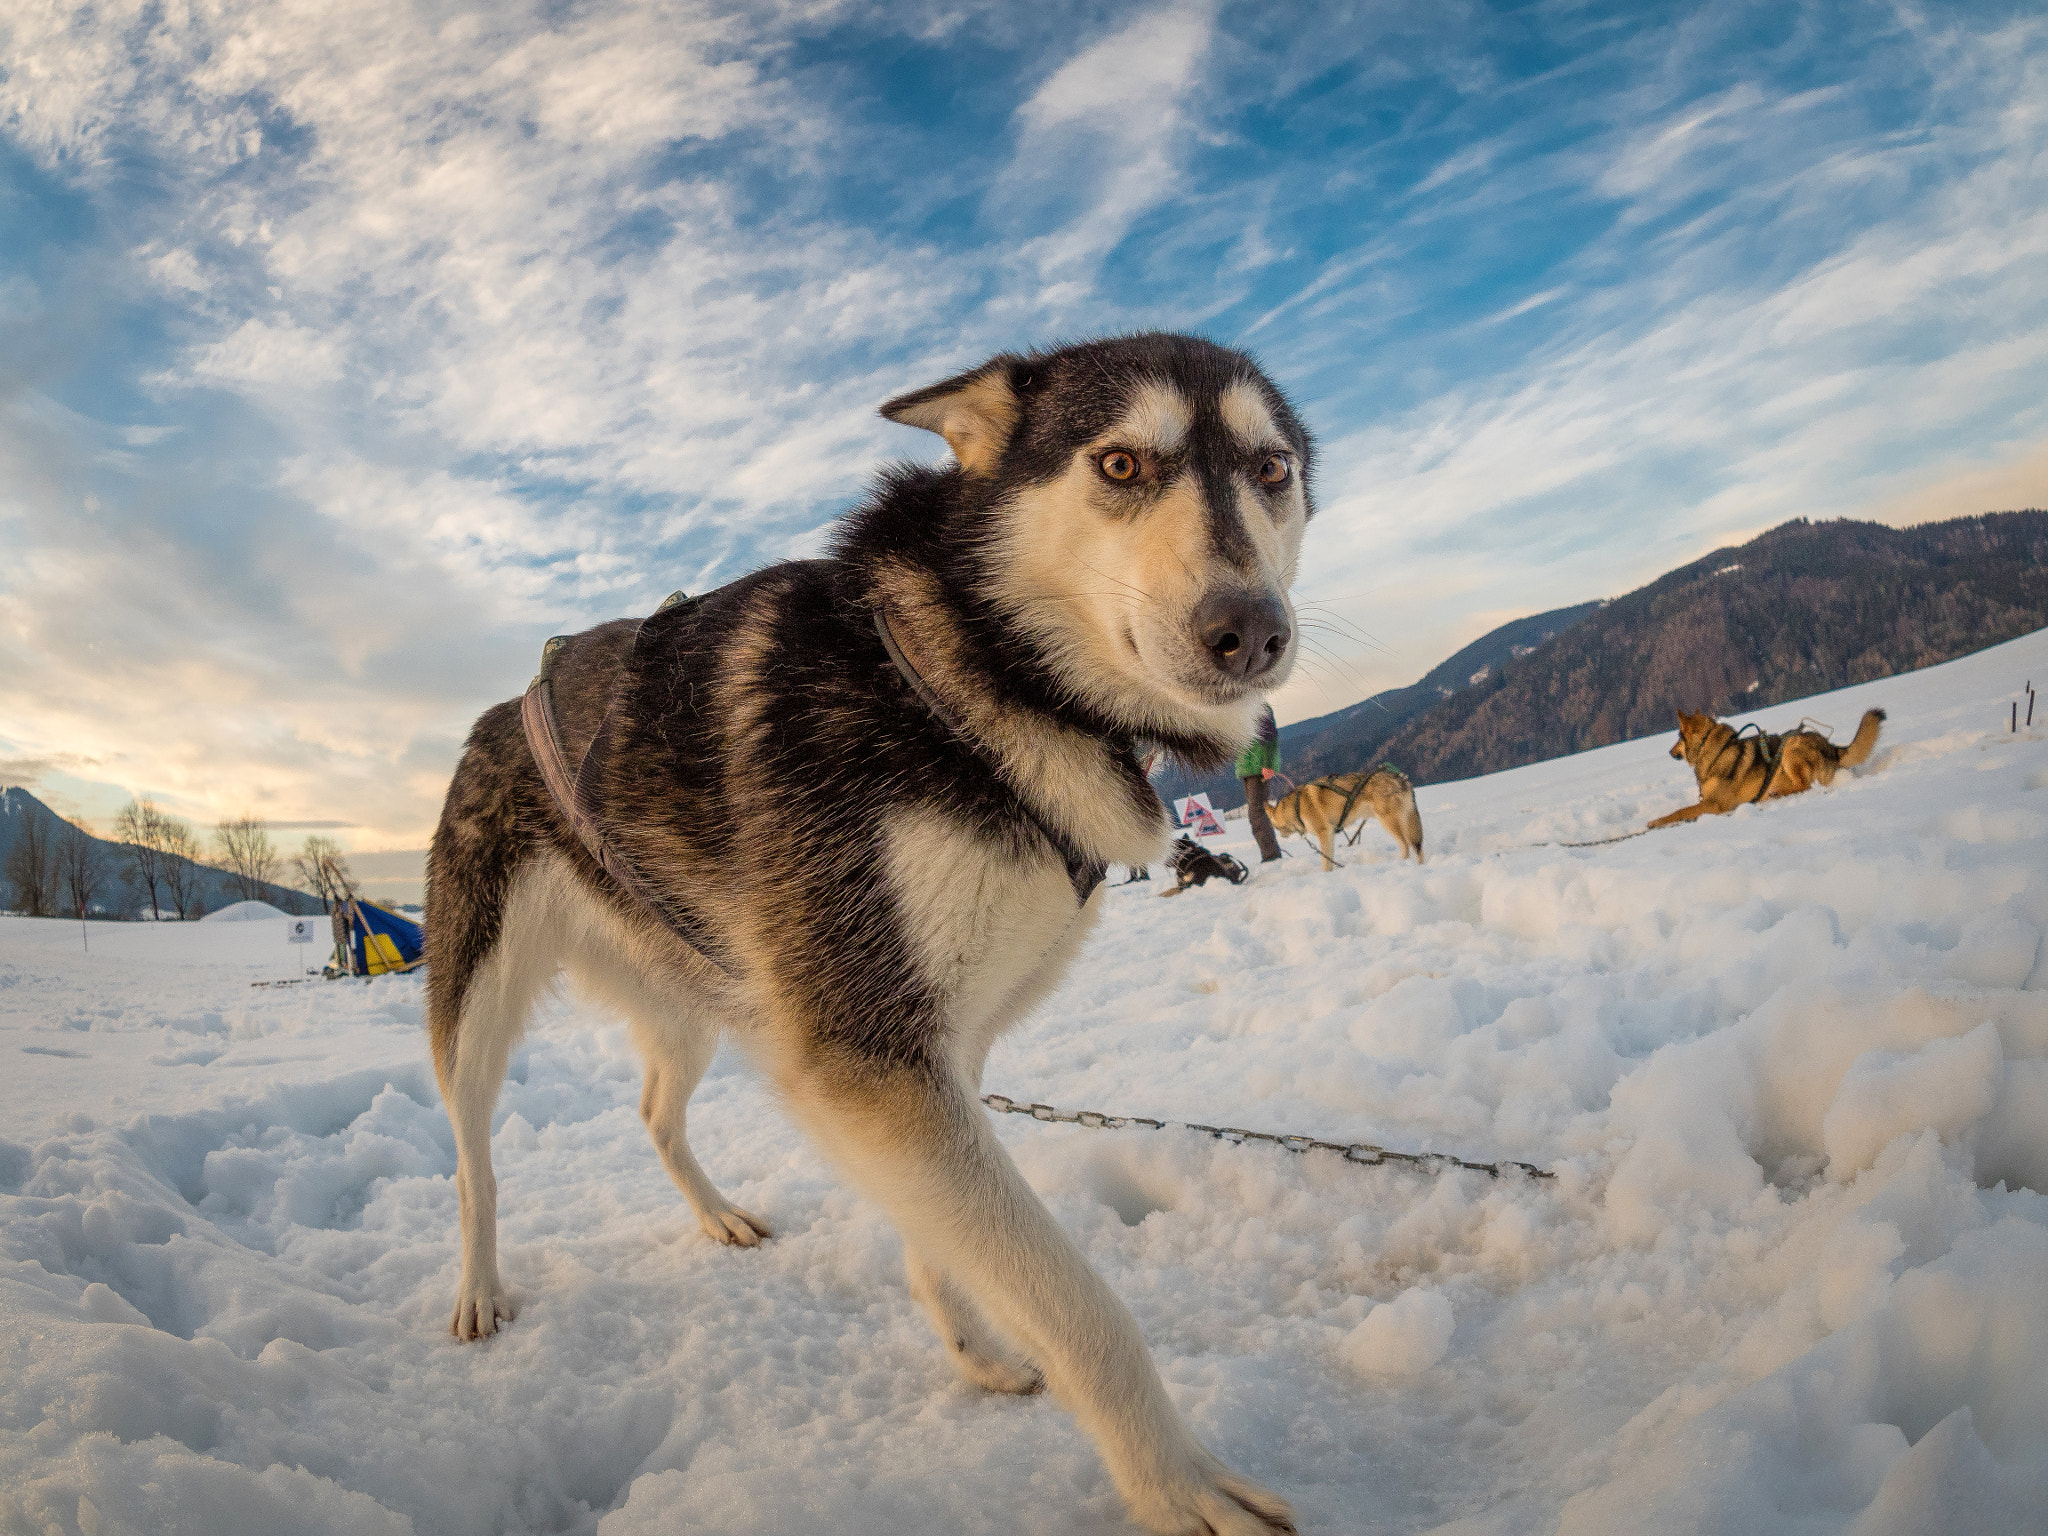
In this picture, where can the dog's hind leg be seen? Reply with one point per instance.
(977, 1353)
(1405, 828)
(492, 1015)
(676, 1057)
(676, 1037)
(1392, 822)
(917, 1143)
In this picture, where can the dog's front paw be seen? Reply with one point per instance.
(479, 1308)
(730, 1224)
(1215, 1501)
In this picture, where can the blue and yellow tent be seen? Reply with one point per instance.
(372, 941)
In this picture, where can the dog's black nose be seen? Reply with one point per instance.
(1244, 632)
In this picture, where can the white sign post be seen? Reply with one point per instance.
(299, 931)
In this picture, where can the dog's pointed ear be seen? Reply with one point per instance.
(975, 412)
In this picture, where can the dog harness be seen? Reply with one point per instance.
(1357, 789)
(1774, 749)
(575, 791)
(1084, 872)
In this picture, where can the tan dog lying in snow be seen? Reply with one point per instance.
(1734, 769)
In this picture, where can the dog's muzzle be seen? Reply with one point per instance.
(1245, 633)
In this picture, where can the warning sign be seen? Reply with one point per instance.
(1196, 814)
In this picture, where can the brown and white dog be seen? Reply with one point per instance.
(852, 812)
(1323, 807)
(1734, 769)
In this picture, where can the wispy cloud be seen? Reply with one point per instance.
(1104, 140)
(351, 350)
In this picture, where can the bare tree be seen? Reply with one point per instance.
(32, 867)
(242, 847)
(184, 876)
(321, 869)
(140, 830)
(81, 866)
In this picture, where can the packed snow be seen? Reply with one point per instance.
(244, 912)
(1790, 1068)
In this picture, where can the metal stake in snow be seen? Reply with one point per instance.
(1352, 1152)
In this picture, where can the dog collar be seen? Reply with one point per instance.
(1084, 872)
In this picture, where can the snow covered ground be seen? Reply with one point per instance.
(1791, 1068)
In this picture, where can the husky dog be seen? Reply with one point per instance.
(1734, 769)
(1323, 807)
(853, 811)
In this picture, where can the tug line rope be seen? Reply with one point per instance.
(1364, 1152)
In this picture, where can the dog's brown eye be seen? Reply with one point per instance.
(1275, 470)
(1119, 465)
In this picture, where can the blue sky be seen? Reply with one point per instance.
(349, 351)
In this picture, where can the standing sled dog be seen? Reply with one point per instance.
(1322, 808)
(1734, 769)
(855, 811)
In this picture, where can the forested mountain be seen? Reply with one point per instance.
(1347, 738)
(1802, 609)
(118, 892)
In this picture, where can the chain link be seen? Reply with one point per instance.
(1352, 1152)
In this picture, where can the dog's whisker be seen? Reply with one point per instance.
(1115, 580)
(1337, 621)
(1345, 669)
(1335, 642)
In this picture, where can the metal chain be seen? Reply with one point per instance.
(1599, 842)
(1352, 1152)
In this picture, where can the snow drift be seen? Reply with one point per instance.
(1790, 1067)
(244, 912)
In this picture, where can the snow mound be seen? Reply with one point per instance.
(244, 912)
(1402, 1337)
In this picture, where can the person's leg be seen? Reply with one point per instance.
(1255, 813)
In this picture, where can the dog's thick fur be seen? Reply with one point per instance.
(1108, 561)
(1733, 770)
(1315, 809)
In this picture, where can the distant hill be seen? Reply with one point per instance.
(1349, 738)
(124, 896)
(1802, 609)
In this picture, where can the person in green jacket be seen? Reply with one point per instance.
(1255, 765)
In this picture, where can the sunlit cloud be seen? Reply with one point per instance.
(350, 351)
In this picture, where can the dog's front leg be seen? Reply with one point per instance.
(1687, 813)
(917, 1143)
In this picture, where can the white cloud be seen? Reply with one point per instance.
(1714, 396)
(1100, 142)
(495, 332)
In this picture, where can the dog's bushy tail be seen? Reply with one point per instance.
(1411, 818)
(1859, 750)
